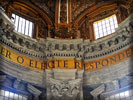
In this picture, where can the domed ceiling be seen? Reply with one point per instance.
(67, 18)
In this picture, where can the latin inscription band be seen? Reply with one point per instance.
(61, 63)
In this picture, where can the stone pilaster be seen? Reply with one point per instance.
(48, 75)
(79, 75)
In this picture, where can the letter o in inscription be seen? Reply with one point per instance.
(105, 62)
(20, 59)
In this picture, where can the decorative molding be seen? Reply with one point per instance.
(31, 47)
(77, 49)
(66, 89)
(33, 90)
(98, 90)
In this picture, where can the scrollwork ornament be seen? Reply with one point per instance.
(64, 90)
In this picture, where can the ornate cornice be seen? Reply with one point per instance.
(76, 48)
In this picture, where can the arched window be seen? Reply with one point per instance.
(105, 26)
(22, 25)
(29, 19)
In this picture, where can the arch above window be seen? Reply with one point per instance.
(84, 22)
(39, 20)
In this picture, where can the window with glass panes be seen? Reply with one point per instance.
(126, 95)
(105, 26)
(7, 95)
(23, 25)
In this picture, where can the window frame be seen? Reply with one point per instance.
(100, 20)
(28, 32)
(91, 20)
(26, 17)
(120, 95)
(6, 94)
